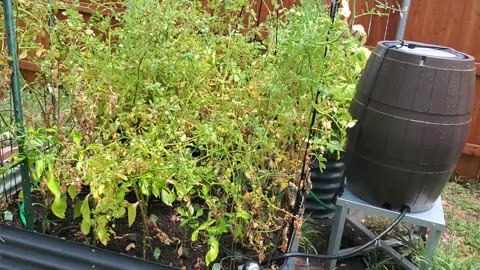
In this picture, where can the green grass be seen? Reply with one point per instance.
(460, 246)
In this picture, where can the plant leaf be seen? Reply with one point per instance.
(206, 224)
(103, 236)
(243, 214)
(156, 253)
(72, 191)
(132, 213)
(77, 137)
(194, 235)
(94, 146)
(180, 251)
(39, 168)
(77, 209)
(59, 206)
(216, 266)
(85, 210)
(168, 197)
(85, 226)
(212, 251)
(53, 184)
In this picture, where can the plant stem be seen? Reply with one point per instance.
(144, 221)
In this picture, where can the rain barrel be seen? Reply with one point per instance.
(413, 108)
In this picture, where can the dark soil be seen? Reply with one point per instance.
(173, 242)
(352, 237)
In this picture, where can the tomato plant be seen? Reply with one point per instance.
(176, 103)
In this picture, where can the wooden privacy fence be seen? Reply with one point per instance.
(444, 22)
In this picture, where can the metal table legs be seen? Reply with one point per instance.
(432, 219)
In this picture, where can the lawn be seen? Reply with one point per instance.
(460, 246)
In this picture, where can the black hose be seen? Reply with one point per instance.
(345, 254)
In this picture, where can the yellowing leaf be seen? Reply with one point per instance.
(23, 54)
(132, 213)
(39, 168)
(85, 226)
(77, 137)
(72, 191)
(76, 209)
(103, 236)
(53, 184)
(85, 210)
(195, 235)
(180, 251)
(212, 250)
(59, 206)
(243, 214)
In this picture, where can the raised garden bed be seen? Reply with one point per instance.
(178, 137)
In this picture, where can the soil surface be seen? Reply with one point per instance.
(171, 244)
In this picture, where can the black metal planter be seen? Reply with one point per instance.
(325, 184)
(24, 250)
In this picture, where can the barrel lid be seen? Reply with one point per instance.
(423, 49)
(435, 52)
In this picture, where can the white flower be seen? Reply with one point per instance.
(359, 32)
(345, 9)
(89, 32)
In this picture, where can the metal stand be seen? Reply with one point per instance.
(432, 219)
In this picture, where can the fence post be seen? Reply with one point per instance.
(17, 104)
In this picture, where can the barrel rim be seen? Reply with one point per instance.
(466, 57)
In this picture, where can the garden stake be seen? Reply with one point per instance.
(17, 103)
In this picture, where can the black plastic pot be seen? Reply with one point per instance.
(21, 249)
(325, 184)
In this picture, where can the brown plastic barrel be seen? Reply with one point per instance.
(413, 105)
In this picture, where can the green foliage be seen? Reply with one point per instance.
(183, 105)
(317, 55)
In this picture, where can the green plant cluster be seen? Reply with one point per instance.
(169, 101)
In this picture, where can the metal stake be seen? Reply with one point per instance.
(17, 104)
